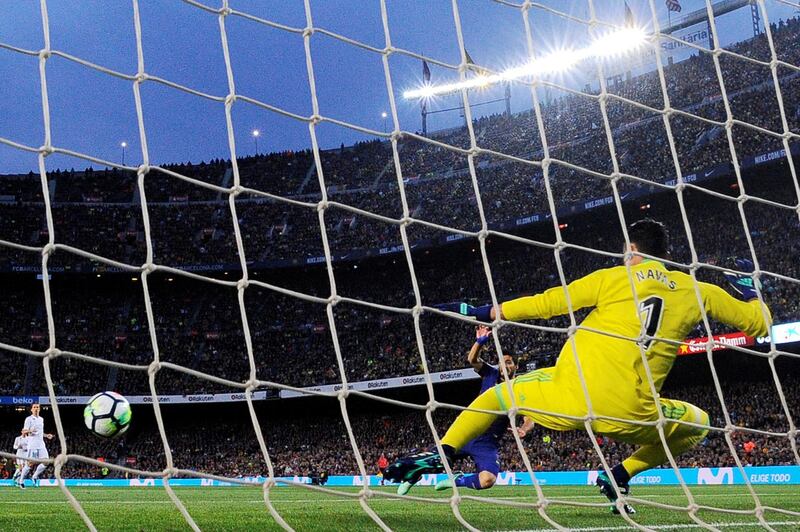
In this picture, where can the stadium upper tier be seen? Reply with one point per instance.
(100, 211)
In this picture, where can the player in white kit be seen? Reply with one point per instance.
(21, 446)
(34, 430)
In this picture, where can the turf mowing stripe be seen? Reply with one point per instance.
(664, 527)
(385, 499)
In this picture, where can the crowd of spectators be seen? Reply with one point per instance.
(198, 324)
(223, 442)
(192, 225)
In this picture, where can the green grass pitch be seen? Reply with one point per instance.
(242, 508)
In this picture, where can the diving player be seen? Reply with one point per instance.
(607, 345)
(483, 450)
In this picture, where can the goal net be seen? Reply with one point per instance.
(640, 113)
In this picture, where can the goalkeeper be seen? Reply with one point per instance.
(612, 368)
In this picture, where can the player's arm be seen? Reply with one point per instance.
(27, 427)
(583, 292)
(746, 316)
(482, 336)
(524, 429)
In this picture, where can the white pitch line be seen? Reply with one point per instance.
(665, 527)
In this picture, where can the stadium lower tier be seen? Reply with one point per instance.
(307, 437)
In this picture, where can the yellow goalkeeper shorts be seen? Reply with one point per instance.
(539, 398)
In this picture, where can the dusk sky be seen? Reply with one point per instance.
(93, 113)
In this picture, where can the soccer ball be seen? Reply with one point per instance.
(107, 414)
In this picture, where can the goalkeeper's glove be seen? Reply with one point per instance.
(743, 284)
(482, 313)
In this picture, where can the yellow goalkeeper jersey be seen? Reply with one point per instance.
(615, 375)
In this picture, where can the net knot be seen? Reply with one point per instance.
(143, 169)
(225, 11)
(482, 234)
(742, 198)
(571, 330)
(52, 353)
(148, 268)
(680, 186)
(432, 405)
(60, 460)
(389, 50)
(48, 249)
(417, 310)
(269, 484)
(693, 508)
(241, 284)
(334, 299)
(230, 99)
(308, 32)
(343, 393)
(45, 53)
(141, 77)
(322, 205)
(472, 152)
(46, 150)
(153, 368)
(236, 190)
(455, 500)
(252, 385)
(169, 472)
(729, 123)
(315, 119)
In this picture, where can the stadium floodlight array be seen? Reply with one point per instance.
(542, 505)
(618, 42)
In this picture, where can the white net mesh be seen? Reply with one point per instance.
(545, 161)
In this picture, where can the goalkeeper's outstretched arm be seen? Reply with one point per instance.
(583, 292)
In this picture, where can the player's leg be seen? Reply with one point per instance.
(32, 453)
(43, 454)
(18, 465)
(651, 453)
(467, 426)
(36, 474)
(535, 390)
(484, 453)
(680, 438)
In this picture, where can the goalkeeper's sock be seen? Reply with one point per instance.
(16, 473)
(470, 481)
(25, 471)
